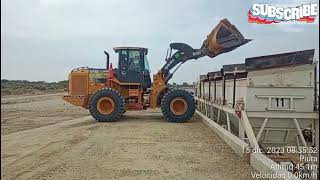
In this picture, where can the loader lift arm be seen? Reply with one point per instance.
(184, 53)
(223, 38)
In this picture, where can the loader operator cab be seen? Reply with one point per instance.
(133, 66)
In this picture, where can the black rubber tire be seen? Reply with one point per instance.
(118, 101)
(165, 106)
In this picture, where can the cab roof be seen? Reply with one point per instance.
(116, 49)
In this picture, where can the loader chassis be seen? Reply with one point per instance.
(108, 92)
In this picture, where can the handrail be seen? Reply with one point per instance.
(244, 120)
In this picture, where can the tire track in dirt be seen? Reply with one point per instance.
(141, 145)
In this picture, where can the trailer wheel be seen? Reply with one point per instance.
(178, 106)
(106, 105)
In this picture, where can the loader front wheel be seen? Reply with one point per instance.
(106, 105)
(178, 106)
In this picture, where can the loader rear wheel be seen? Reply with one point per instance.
(178, 106)
(106, 105)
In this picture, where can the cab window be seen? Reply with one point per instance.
(134, 61)
(123, 59)
(146, 63)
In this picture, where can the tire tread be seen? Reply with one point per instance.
(103, 118)
(165, 106)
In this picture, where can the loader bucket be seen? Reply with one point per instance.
(223, 38)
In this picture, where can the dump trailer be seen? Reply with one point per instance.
(110, 92)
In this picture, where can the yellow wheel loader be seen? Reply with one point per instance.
(109, 92)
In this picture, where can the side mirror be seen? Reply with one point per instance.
(223, 38)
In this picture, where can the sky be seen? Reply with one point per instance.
(42, 40)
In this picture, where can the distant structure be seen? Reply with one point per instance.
(279, 94)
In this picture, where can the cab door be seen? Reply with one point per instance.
(131, 66)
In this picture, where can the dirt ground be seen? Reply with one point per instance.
(44, 138)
